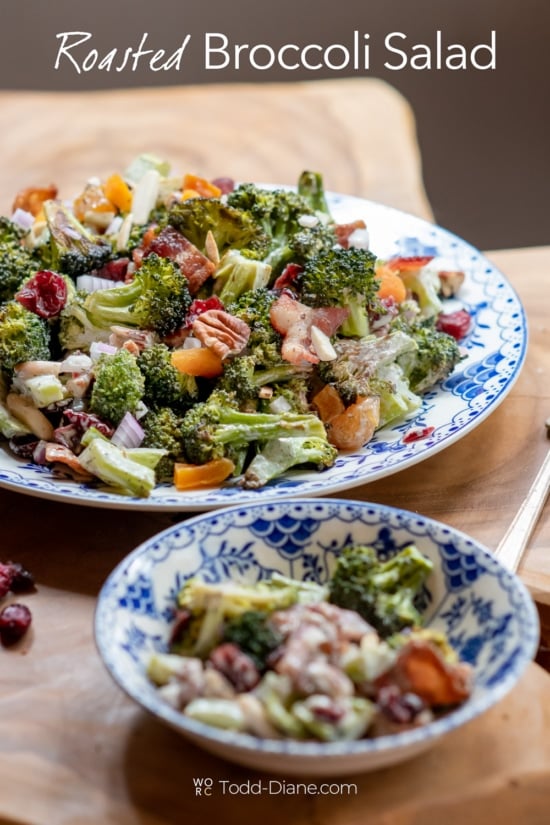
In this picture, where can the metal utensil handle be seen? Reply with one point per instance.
(512, 547)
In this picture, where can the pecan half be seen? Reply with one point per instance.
(223, 333)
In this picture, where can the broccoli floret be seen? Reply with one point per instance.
(244, 378)
(73, 249)
(157, 298)
(278, 213)
(397, 400)
(24, 336)
(76, 331)
(282, 454)
(165, 386)
(114, 467)
(425, 286)
(382, 592)
(311, 189)
(435, 357)
(237, 274)
(118, 386)
(215, 428)
(211, 606)
(254, 309)
(357, 365)
(311, 241)
(17, 263)
(231, 227)
(162, 428)
(253, 634)
(344, 278)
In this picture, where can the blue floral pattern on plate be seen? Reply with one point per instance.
(485, 610)
(495, 351)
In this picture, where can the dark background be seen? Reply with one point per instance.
(483, 134)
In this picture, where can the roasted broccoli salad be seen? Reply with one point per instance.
(159, 329)
(290, 659)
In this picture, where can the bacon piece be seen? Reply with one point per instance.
(59, 454)
(196, 267)
(294, 321)
(343, 231)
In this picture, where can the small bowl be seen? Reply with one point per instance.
(486, 612)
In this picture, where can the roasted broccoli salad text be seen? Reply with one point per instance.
(290, 659)
(175, 329)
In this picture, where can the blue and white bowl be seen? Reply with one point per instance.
(486, 612)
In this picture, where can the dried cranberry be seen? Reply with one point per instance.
(22, 579)
(408, 263)
(239, 668)
(417, 434)
(15, 620)
(6, 576)
(226, 185)
(182, 619)
(288, 276)
(45, 294)
(456, 323)
(199, 306)
(399, 707)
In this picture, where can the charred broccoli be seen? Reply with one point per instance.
(216, 428)
(73, 249)
(231, 227)
(435, 357)
(157, 299)
(24, 336)
(382, 592)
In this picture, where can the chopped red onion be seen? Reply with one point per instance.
(129, 433)
(22, 218)
(91, 283)
(98, 348)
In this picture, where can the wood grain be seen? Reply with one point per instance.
(73, 749)
(359, 132)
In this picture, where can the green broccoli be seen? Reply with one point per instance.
(253, 634)
(382, 592)
(356, 369)
(253, 308)
(345, 278)
(216, 428)
(231, 227)
(279, 213)
(162, 428)
(165, 386)
(424, 284)
(282, 454)
(17, 263)
(118, 386)
(435, 357)
(245, 379)
(211, 606)
(73, 249)
(311, 189)
(237, 274)
(157, 299)
(310, 241)
(24, 336)
(76, 329)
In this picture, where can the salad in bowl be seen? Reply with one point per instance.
(159, 329)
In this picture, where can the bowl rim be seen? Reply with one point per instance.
(410, 739)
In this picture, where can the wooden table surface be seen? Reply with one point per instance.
(73, 749)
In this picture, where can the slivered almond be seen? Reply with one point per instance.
(24, 409)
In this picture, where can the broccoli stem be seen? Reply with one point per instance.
(281, 454)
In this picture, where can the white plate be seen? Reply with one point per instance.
(495, 349)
